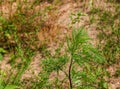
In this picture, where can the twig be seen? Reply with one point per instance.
(70, 79)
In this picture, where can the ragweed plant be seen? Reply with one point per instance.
(17, 36)
(80, 54)
(108, 24)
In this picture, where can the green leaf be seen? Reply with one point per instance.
(2, 50)
(1, 86)
(51, 64)
(1, 57)
(105, 85)
(11, 87)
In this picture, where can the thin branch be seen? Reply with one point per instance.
(69, 74)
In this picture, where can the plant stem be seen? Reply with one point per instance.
(70, 79)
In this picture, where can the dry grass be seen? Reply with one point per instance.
(55, 29)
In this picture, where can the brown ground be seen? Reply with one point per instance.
(55, 31)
